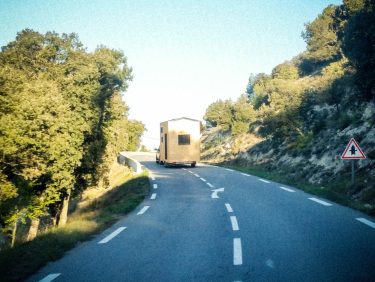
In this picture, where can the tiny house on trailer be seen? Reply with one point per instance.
(179, 142)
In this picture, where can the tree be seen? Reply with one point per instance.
(358, 41)
(259, 93)
(61, 119)
(242, 115)
(285, 71)
(321, 37)
(135, 130)
(219, 114)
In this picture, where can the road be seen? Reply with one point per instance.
(213, 224)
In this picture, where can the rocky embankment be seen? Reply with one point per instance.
(317, 161)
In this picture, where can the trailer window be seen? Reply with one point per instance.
(184, 139)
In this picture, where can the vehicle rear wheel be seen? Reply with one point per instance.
(193, 164)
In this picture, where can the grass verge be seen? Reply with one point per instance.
(334, 191)
(24, 259)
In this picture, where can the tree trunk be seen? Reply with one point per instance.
(2, 238)
(33, 231)
(14, 233)
(64, 211)
(54, 220)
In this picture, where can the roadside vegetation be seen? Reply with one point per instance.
(334, 191)
(62, 123)
(299, 118)
(98, 210)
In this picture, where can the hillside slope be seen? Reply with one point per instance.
(295, 123)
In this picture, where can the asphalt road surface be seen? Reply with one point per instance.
(213, 224)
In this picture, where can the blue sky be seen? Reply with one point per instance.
(185, 54)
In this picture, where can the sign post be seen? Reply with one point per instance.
(353, 152)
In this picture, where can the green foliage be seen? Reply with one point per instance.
(240, 127)
(18, 263)
(258, 94)
(358, 41)
(321, 37)
(353, 6)
(278, 111)
(228, 115)
(285, 71)
(62, 121)
(135, 130)
(219, 113)
(320, 92)
(339, 47)
(303, 141)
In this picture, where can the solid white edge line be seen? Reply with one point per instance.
(237, 251)
(234, 222)
(143, 210)
(366, 221)
(209, 184)
(229, 208)
(50, 277)
(320, 202)
(204, 180)
(153, 196)
(112, 235)
(155, 186)
(287, 189)
(265, 181)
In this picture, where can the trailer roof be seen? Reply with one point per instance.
(176, 119)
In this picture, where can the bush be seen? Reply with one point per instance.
(240, 127)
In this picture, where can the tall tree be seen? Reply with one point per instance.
(61, 118)
(321, 37)
(358, 44)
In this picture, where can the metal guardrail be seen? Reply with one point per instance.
(124, 159)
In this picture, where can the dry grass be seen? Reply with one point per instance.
(101, 210)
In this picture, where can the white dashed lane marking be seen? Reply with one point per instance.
(153, 196)
(50, 277)
(234, 222)
(287, 189)
(237, 251)
(155, 186)
(366, 221)
(112, 235)
(265, 181)
(204, 180)
(229, 208)
(143, 210)
(228, 169)
(209, 184)
(320, 202)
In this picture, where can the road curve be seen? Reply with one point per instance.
(213, 224)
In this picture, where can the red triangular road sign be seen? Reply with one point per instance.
(353, 151)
